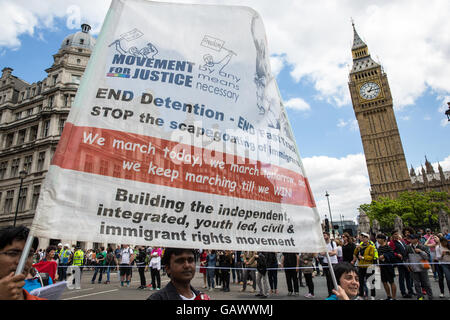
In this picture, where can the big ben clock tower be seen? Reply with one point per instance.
(372, 103)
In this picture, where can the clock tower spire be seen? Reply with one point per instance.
(373, 107)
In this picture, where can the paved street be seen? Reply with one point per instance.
(114, 291)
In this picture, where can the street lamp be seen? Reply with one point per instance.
(22, 175)
(331, 217)
(447, 113)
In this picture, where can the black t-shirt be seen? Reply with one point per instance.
(290, 259)
(347, 252)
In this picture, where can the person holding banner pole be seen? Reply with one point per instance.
(347, 283)
(16, 258)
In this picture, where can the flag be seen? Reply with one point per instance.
(178, 137)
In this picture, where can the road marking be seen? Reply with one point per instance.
(91, 294)
(78, 290)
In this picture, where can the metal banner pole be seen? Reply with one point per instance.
(333, 277)
(25, 252)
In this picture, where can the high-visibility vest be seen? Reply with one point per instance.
(375, 256)
(78, 258)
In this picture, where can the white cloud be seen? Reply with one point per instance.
(405, 118)
(445, 164)
(297, 104)
(314, 37)
(346, 180)
(26, 17)
(277, 64)
(352, 124)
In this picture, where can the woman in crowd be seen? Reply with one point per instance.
(347, 280)
(155, 267)
(211, 259)
(202, 267)
(443, 266)
(272, 271)
(339, 250)
(306, 263)
(48, 264)
(348, 247)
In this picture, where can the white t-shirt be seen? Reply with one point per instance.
(184, 298)
(331, 248)
(126, 255)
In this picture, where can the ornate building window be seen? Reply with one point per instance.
(34, 200)
(9, 139)
(8, 201)
(21, 138)
(28, 161)
(15, 167)
(22, 199)
(3, 167)
(33, 133)
(40, 161)
(46, 128)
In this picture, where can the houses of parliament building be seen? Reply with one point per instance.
(32, 117)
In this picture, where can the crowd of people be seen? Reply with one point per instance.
(414, 255)
(411, 253)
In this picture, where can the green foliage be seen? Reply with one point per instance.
(415, 208)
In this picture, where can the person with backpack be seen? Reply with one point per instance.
(387, 258)
(332, 253)
(306, 263)
(110, 264)
(126, 261)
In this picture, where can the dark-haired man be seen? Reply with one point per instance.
(180, 268)
(12, 243)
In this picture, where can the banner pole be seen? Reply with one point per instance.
(25, 252)
(333, 276)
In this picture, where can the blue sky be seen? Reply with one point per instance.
(310, 44)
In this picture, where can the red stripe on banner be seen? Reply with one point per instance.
(152, 160)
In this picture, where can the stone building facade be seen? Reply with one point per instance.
(32, 118)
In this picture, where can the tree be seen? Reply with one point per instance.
(416, 209)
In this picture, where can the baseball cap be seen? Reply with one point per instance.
(414, 236)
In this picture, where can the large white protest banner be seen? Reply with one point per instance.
(178, 138)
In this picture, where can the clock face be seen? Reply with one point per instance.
(369, 90)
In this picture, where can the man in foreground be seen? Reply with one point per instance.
(180, 268)
(12, 243)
